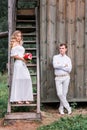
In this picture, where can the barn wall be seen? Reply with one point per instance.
(63, 21)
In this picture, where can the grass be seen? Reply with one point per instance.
(78, 122)
(3, 94)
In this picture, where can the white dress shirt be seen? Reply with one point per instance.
(62, 64)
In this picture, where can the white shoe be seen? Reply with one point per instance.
(61, 111)
(69, 111)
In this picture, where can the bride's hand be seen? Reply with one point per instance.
(25, 61)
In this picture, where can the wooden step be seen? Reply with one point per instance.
(26, 27)
(35, 94)
(19, 105)
(25, 21)
(29, 34)
(33, 74)
(29, 42)
(34, 57)
(23, 115)
(26, 12)
(30, 49)
(31, 65)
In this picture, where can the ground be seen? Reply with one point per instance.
(49, 115)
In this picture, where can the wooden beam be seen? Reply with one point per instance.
(85, 48)
(21, 115)
(3, 34)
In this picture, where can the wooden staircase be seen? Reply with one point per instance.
(27, 23)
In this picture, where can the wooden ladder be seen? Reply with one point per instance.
(27, 23)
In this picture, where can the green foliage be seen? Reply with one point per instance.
(3, 54)
(22, 4)
(3, 41)
(3, 15)
(78, 122)
(3, 94)
(3, 7)
(74, 105)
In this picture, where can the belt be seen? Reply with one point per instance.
(62, 75)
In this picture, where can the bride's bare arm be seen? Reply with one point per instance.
(18, 58)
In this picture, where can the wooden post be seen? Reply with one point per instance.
(85, 84)
(43, 47)
(38, 66)
(11, 28)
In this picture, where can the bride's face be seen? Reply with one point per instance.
(18, 37)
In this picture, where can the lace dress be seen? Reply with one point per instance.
(21, 89)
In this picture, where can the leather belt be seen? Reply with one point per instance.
(62, 75)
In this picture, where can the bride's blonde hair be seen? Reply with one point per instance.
(13, 41)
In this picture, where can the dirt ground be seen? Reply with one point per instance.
(49, 115)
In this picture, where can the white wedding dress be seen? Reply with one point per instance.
(21, 89)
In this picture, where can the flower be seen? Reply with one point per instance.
(28, 56)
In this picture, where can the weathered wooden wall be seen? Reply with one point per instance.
(63, 21)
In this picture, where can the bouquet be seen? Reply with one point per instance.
(28, 56)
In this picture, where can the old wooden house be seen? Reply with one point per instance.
(45, 25)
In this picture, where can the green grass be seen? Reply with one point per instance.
(78, 122)
(3, 95)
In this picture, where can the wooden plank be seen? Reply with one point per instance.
(18, 105)
(51, 46)
(61, 21)
(79, 51)
(43, 48)
(70, 38)
(30, 42)
(32, 65)
(22, 116)
(3, 34)
(26, 12)
(29, 34)
(30, 49)
(73, 99)
(26, 21)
